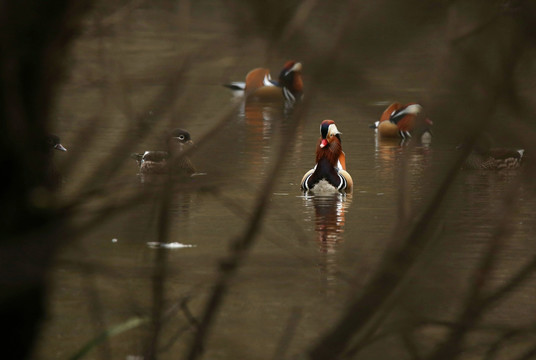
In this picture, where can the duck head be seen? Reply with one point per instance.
(291, 81)
(328, 133)
(329, 144)
(178, 139)
(53, 142)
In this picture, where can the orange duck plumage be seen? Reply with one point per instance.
(260, 86)
(401, 121)
(330, 165)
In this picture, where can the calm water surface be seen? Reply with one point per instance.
(313, 252)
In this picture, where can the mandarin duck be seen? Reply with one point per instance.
(160, 162)
(400, 121)
(484, 156)
(494, 159)
(260, 86)
(330, 168)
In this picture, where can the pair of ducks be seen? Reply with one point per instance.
(258, 86)
(397, 121)
(330, 169)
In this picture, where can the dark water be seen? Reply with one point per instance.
(313, 253)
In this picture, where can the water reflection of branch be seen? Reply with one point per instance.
(409, 239)
(242, 244)
(238, 209)
(288, 334)
(106, 210)
(476, 303)
(160, 271)
(164, 100)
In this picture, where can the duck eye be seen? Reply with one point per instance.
(181, 137)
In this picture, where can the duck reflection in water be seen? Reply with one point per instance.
(265, 122)
(391, 155)
(329, 217)
(260, 118)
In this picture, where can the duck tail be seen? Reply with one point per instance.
(236, 86)
(375, 125)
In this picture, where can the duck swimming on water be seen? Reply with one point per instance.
(260, 86)
(485, 156)
(161, 162)
(330, 168)
(402, 121)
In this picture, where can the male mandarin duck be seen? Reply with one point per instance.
(400, 121)
(260, 86)
(330, 161)
(160, 162)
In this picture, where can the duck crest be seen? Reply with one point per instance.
(329, 145)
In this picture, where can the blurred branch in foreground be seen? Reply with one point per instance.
(411, 236)
(35, 40)
(481, 78)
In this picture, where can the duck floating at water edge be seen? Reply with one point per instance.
(403, 121)
(329, 172)
(161, 162)
(260, 86)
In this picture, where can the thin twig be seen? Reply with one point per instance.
(160, 268)
(288, 334)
